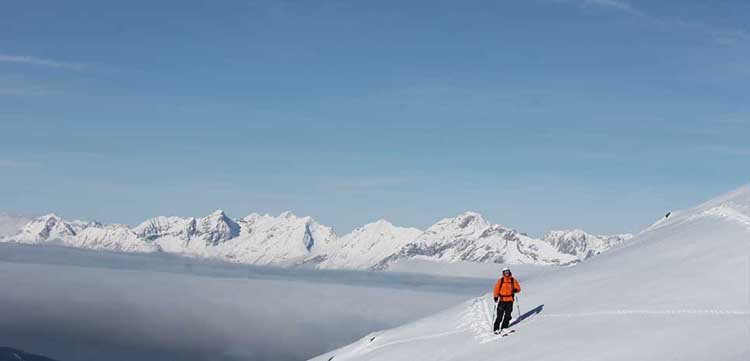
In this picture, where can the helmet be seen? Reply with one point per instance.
(506, 269)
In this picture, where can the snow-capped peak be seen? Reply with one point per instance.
(49, 227)
(283, 240)
(113, 238)
(469, 237)
(469, 220)
(217, 213)
(367, 246)
(380, 223)
(464, 224)
(569, 233)
(252, 217)
(288, 215)
(49, 216)
(381, 226)
(578, 243)
(216, 228)
(161, 226)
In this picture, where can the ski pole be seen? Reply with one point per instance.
(494, 316)
(518, 306)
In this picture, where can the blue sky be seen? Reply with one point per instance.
(540, 114)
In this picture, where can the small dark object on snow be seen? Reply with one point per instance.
(668, 214)
(331, 358)
(373, 338)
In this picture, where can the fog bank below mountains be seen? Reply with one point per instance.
(78, 305)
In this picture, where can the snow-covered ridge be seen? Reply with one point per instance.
(728, 213)
(581, 244)
(290, 240)
(47, 227)
(469, 237)
(733, 207)
(368, 245)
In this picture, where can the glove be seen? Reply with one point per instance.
(495, 299)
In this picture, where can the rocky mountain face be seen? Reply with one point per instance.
(176, 234)
(290, 240)
(49, 227)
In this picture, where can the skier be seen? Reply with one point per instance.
(504, 294)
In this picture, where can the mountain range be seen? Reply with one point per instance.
(289, 240)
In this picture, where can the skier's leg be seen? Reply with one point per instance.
(498, 316)
(507, 310)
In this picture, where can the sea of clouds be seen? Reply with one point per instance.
(76, 305)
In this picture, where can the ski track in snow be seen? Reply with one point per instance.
(412, 339)
(651, 312)
(477, 317)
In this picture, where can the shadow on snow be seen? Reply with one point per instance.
(537, 310)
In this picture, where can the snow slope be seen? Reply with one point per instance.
(677, 291)
(114, 238)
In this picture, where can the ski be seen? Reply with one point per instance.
(503, 334)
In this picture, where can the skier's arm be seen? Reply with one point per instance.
(516, 286)
(496, 292)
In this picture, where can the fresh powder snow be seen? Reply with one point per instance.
(678, 290)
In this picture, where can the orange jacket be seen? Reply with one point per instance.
(505, 288)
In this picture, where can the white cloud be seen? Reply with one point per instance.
(23, 59)
(616, 4)
(724, 37)
(619, 5)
